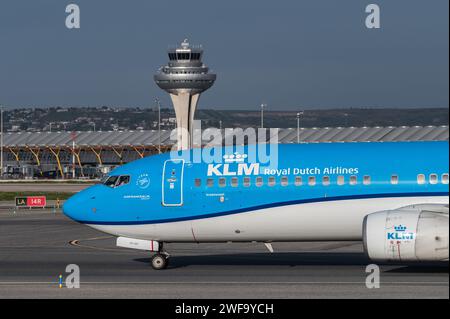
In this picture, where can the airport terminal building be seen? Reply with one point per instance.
(92, 154)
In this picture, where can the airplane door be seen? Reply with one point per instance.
(172, 183)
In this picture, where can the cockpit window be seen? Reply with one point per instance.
(123, 180)
(116, 181)
(111, 181)
(104, 179)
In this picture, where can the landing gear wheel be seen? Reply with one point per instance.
(159, 261)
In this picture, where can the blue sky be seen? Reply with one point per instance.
(288, 54)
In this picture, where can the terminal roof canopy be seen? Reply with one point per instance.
(285, 135)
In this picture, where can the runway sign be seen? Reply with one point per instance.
(21, 201)
(31, 201)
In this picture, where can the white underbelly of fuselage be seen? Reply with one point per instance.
(320, 221)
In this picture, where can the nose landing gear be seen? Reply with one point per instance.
(160, 261)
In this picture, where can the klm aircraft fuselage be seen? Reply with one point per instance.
(308, 192)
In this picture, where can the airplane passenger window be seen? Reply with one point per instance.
(366, 180)
(394, 179)
(259, 181)
(444, 178)
(198, 182)
(341, 180)
(326, 180)
(271, 181)
(284, 181)
(234, 182)
(298, 180)
(111, 181)
(353, 180)
(123, 180)
(312, 181)
(222, 182)
(421, 179)
(246, 181)
(433, 179)
(210, 182)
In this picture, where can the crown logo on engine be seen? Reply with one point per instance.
(400, 228)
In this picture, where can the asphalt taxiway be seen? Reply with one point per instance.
(36, 246)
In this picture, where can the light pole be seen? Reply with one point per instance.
(159, 124)
(1, 141)
(262, 114)
(298, 126)
(73, 135)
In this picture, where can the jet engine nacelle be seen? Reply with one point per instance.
(413, 233)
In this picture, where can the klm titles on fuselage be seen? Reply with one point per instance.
(233, 169)
(245, 169)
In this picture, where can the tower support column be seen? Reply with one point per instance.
(185, 105)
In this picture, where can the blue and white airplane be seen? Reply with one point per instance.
(393, 196)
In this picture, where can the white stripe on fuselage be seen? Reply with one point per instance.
(324, 221)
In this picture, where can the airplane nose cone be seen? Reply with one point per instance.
(72, 206)
(77, 206)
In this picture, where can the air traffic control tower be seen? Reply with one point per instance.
(184, 78)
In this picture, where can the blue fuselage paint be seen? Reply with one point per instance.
(172, 187)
